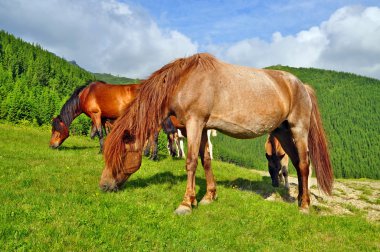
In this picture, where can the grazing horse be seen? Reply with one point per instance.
(277, 161)
(100, 101)
(205, 93)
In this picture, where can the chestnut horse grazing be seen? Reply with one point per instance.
(100, 101)
(205, 93)
(277, 161)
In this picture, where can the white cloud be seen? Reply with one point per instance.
(101, 36)
(348, 41)
(114, 37)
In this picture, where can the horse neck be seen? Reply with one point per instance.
(275, 145)
(71, 110)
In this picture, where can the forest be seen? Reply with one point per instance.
(34, 84)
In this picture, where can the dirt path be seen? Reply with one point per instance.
(349, 197)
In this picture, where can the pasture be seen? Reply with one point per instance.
(51, 202)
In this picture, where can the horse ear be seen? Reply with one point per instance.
(267, 156)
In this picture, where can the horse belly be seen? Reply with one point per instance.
(245, 126)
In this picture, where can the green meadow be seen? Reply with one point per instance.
(50, 201)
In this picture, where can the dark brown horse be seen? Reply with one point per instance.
(100, 101)
(205, 93)
(277, 161)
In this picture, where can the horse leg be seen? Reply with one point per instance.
(93, 130)
(209, 143)
(181, 148)
(180, 136)
(97, 122)
(147, 148)
(194, 132)
(294, 142)
(155, 147)
(206, 163)
(170, 145)
(284, 170)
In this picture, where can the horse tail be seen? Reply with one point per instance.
(151, 106)
(318, 150)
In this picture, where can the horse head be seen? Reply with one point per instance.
(59, 132)
(274, 167)
(117, 172)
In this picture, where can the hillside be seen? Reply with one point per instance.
(350, 108)
(34, 83)
(109, 78)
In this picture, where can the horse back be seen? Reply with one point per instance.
(110, 100)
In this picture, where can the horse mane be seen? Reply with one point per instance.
(71, 108)
(150, 107)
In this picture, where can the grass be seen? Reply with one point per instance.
(51, 202)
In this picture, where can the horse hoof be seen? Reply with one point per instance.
(183, 210)
(304, 210)
(207, 201)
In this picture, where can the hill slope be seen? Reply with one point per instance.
(109, 78)
(350, 108)
(34, 83)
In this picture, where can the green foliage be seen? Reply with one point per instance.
(350, 108)
(34, 81)
(50, 201)
(109, 78)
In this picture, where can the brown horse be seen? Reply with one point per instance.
(100, 101)
(277, 161)
(205, 93)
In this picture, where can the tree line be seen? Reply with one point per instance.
(34, 83)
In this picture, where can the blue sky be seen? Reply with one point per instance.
(135, 38)
(227, 21)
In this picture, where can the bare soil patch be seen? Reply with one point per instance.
(349, 197)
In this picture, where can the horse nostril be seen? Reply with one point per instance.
(106, 187)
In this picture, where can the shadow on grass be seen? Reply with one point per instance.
(66, 148)
(263, 188)
(159, 178)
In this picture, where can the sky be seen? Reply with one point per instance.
(135, 38)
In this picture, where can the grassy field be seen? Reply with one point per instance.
(50, 201)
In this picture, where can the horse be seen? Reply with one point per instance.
(100, 101)
(203, 93)
(175, 135)
(277, 161)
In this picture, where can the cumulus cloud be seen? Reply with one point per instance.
(115, 37)
(348, 41)
(100, 35)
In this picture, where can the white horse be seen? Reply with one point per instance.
(178, 139)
